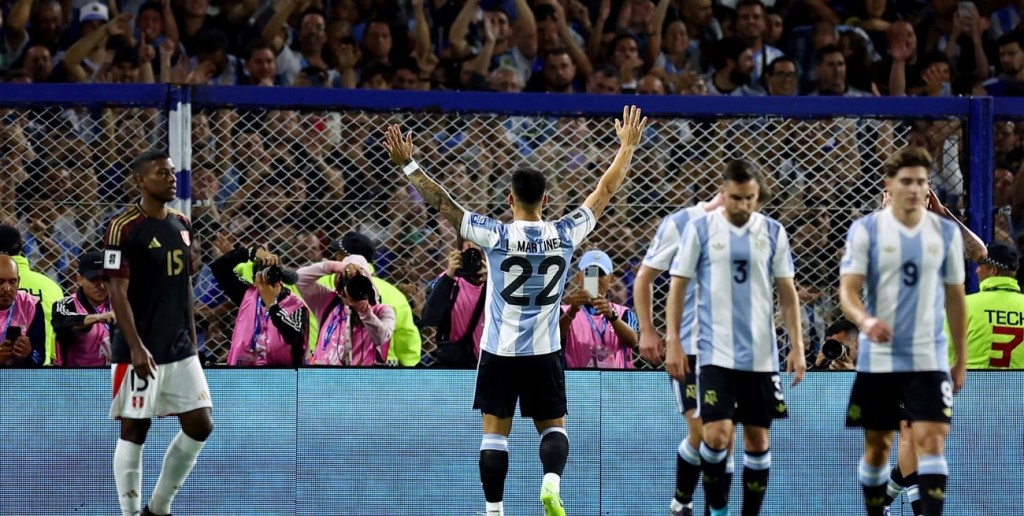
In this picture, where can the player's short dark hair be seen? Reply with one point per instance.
(908, 157)
(741, 171)
(146, 158)
(528, 186)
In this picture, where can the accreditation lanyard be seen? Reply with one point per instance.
(340, 316)
(261, 324)
(105, 309)
(599, 332)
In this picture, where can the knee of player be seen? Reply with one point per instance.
(756, 439)
(135, 430)
(717, 436)
(199, 430)
(932, 443)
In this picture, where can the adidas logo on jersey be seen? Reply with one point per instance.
(154, 244)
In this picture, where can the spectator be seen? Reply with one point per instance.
(677, 55)
(272, 324)
(625, 57)
(839, 351)
(1011, 60)
(260, 65)
(377, 43)
(23, 341)
(832, 75)
(781, 77)
(558, 75)
(42, 288)
(750, 28)
(553, 31)
(587, 318)
(155, 23)
(82, 321)
(455, 306)
(733, 63)
(38, 63)
(43, 26)
(650, 85)
(312, 38)
(405, 340)
(355, 326)
(505, 79)
(212, 64)
(514, 46)
(605, 79)
(901, 63)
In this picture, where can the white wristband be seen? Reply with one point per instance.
(411, 167)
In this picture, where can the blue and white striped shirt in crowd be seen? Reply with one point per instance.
(905, 271)
(734, 268)
(659, 256)
(526, 271)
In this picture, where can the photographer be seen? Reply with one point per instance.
(455, 306)
(82, 321)
(355, 327)
(271, 326)
(839, 351)
(596, 332)
(23, 335)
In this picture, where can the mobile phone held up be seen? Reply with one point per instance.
(12, 333)
(591, 277)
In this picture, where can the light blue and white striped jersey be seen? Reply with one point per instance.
(527, 263)
(905, 271)
(659, 256)
(734, 268)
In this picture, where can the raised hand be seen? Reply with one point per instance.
(399, 148)
(631, 127)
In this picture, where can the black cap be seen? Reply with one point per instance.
(1002, 256)
(353, 243)
(11, 243)
(90, 265)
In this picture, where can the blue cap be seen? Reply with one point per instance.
(596, 258)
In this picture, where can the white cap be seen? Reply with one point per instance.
(93, 11)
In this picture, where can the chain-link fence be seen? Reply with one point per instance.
(295, 180)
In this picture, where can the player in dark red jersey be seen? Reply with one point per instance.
(155, 368)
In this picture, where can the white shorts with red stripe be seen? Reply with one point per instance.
(179, 387)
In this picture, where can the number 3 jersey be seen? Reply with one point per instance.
(155, 257)
(905, 271)
(734, 268)
(527, 263)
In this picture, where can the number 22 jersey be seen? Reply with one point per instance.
(527, 264)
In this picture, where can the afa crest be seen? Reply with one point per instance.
(711, 397)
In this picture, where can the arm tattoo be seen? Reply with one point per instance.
(438, 198)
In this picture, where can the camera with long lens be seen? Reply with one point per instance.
(358, 288)
(275, 273)
(472, 260)
(833, 350)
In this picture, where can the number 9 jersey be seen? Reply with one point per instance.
(905, 271)
(527, 264)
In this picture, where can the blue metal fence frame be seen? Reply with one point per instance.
(979, 113)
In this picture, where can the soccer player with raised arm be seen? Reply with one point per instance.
(733, 254)
(155, 368)
(519, 350)
(909, 264)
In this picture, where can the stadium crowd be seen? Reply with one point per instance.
(302, 184)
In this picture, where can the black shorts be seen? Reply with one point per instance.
(537, 382)
(747, 397)
(878, 401)
(686, 393)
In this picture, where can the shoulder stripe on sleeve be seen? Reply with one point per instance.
(118, 224)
